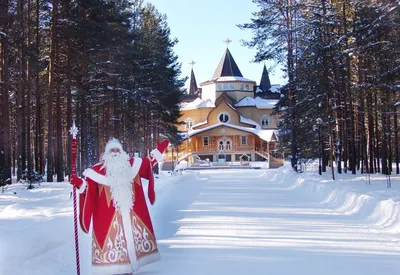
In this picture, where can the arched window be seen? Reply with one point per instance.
(223, 117)
(225, 144)
(221, 145)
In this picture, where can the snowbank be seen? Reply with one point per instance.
(365, 196)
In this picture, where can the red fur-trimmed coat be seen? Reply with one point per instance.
(122, 241)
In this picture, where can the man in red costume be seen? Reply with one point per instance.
(111, 195)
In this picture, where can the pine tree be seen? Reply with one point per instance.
(274, 31)
(89, 61)
(341, 51)
(157, 73)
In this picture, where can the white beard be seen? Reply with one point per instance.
(119, 176)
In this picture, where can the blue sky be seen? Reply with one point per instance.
(202, 26)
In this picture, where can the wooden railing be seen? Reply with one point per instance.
(177, 156)
(262, 153)
(274, 162)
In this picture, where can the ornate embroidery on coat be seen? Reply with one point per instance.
(145, 242)
(115, 250)
(107, 193)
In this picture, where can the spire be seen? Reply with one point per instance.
(265, 83)
(227, 66)
(193, 84)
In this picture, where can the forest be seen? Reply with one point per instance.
(107, 65)
(110, 67)
(342, 61)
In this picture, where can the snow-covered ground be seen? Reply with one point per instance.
(255, 221)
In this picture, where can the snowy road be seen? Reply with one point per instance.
(233, 222)
(253, 222)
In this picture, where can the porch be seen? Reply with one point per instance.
(224, 151)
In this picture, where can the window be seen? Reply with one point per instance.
(264, 121)
(228, 86)
(243, 140)
(223, 117)
(188, 124)
(244, 87)
(225, 87)
(224, 144)
(205, 141)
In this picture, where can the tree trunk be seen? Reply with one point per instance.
(59, 133)
(384, 139)
(292, 103)
(363, 147)
(5, 145)
(69, 99)
(396, 141)
(326, 85)
(20, 93)
(52, 69)
(28, 99)
(39, 145)
(390, 154)
(338, 116)
(377, 139)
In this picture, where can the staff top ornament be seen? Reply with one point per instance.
(73, 130)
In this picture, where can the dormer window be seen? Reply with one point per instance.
(188, 124)
(264, 121)
(223, 117)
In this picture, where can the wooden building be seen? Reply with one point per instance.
(229, 120)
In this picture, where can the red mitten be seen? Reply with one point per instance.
(156, 154)
(162, 146)
(76, 181)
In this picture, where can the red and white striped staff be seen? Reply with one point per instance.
(74, 132)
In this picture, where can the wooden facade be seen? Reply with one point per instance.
(227, 122)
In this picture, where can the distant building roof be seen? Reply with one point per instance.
(257, 102)
(227, 66)
(265, 134)
(185, 98)
(265, 83)
(275, 88)
(193, 85)
(197, 104)
(233, 78)
(273, 93)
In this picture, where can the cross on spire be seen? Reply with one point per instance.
(191, 63)
(227, 41)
